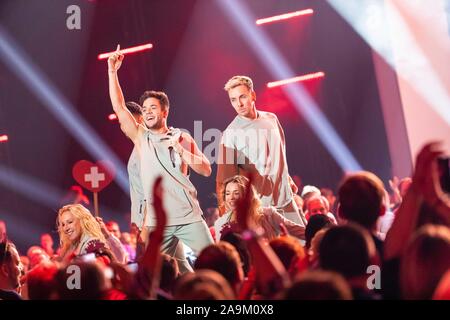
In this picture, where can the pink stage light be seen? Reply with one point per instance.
(112, 117)
(143, 47)
(285, 16)
(3, 138)
(305, 77)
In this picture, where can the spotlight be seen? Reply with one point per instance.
(112, 117)
(305, 77)
(143, 47)
(284, 16)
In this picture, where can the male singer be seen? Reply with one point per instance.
(167, 152)
(254, 144)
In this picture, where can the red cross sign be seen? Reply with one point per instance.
(93, 177)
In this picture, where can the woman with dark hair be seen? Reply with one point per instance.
(267, 219)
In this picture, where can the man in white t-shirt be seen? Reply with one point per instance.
(254, 144)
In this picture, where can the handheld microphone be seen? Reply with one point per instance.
(172, 156)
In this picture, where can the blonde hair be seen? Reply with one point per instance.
(255, 206)
(88, 225)
(238, 81)
(425, 261)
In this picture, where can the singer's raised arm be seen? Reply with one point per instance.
(126, 120)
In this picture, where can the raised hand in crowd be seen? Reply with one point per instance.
(270, 275)
(425, 189)
(149, 271)
(396, 198)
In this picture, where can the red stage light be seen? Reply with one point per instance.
(112, 117)
(143, 47)
(296, 79)
(3, 138)
(285, 16)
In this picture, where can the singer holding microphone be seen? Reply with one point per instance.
(167, 152)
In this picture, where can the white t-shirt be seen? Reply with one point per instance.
(257, 147)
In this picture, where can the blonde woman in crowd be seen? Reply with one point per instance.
(80, 233)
